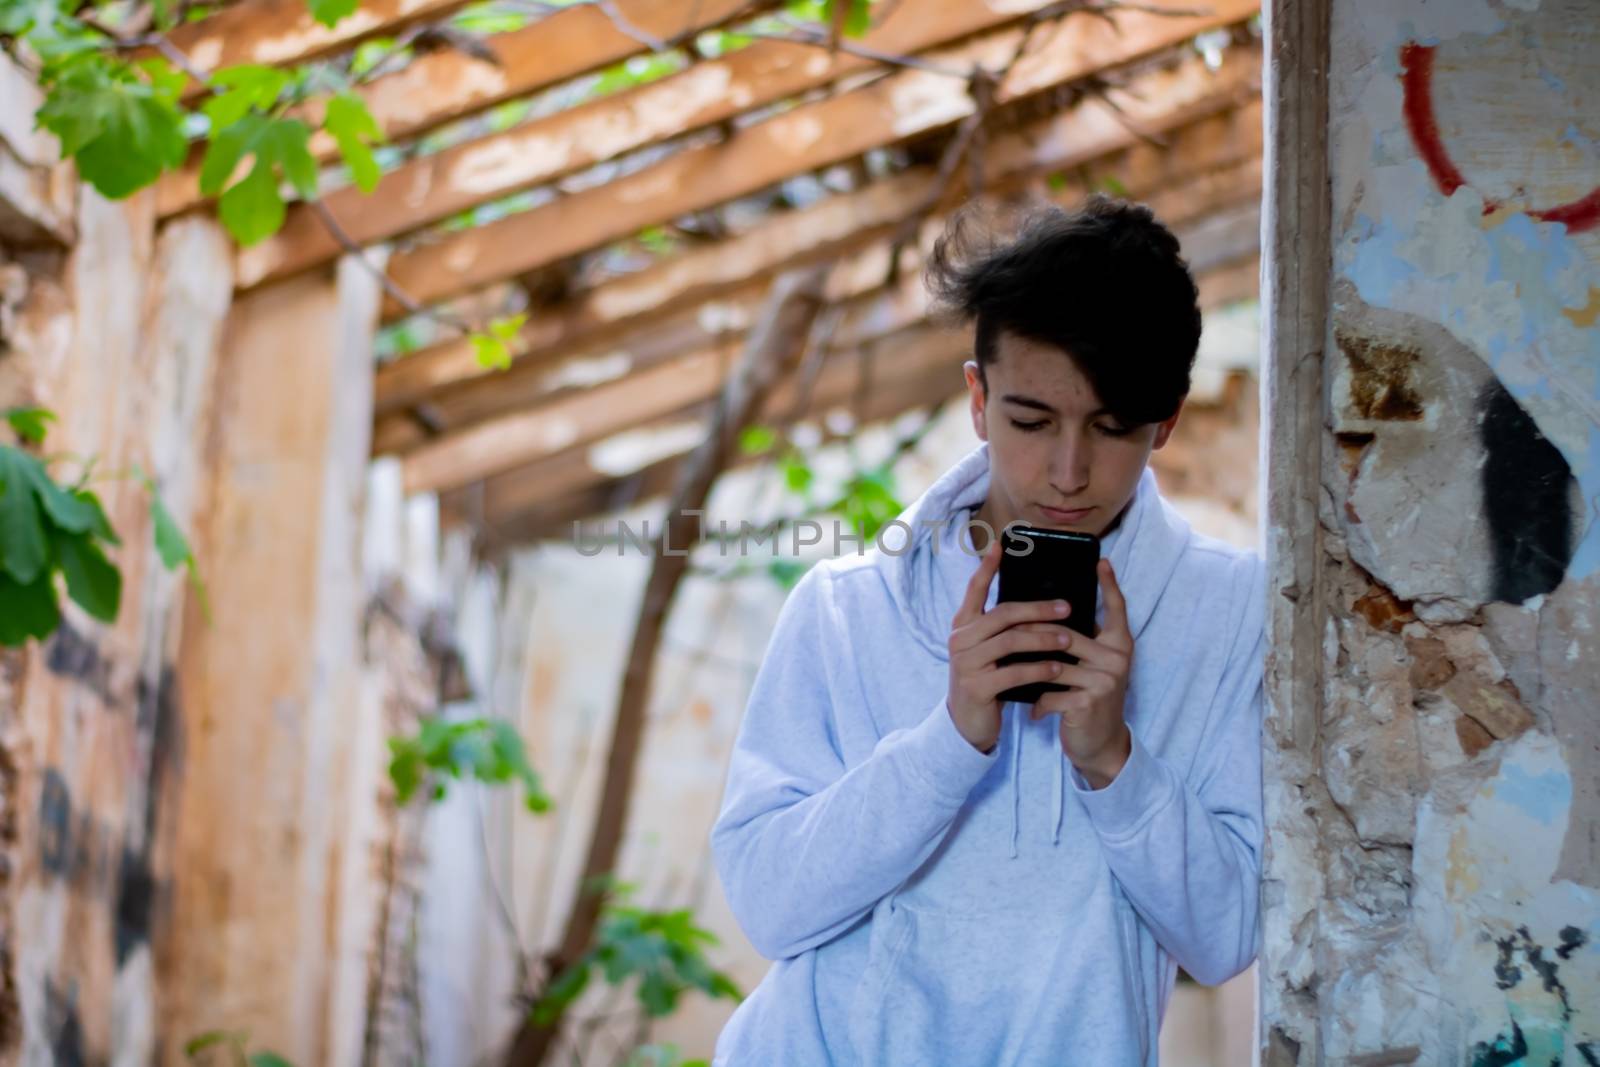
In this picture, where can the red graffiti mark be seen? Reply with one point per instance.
(1416, 79)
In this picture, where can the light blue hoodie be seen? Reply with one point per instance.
(928, 905)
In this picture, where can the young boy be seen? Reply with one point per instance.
(944, 880)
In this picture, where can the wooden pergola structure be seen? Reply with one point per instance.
(887, 133)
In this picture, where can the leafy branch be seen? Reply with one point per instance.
(49, 529)
(489, 750)
(114, 99)
(236, 1043)
(664, 950)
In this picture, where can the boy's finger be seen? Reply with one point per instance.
(978, 584)
(1115, 632)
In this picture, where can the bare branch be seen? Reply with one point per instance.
(400, 296)
(158, 41)
(807, 35)
(620, 21)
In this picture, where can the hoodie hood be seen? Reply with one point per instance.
(1144, 549)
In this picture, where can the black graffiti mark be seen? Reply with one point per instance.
(1587, 1051)
(1572, 939)
(1508, 974)
(63, 1026)
(73, 846)
(1503, 1051)
(138, 889)
(1526, 487)
(72, 655)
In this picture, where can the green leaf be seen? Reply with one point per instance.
(491, 351)
(69, 512)
(659, 994)
(797, 475)
(753, 440)
(331, 12)
(29, 423)
(244, 88)
(210, 1039)
(787, 572)
(859, 19)
(287, 142)
(506, 327)
(99, 525)
(1113, 185)
(24, 549)
(252, 209)
(562, 992)
(268, 1059)
(122, 131)
(92, 581)
(171, 545)
(369, 54)
(27, 610)
(355, 130)
(656, 240)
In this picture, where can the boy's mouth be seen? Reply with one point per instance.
(1065, 515)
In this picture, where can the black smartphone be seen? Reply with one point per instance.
(1040, 564)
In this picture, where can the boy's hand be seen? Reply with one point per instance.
(978, 638)
(1094, 734)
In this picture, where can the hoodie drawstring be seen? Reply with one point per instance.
(1016, 785)
(1061, 788)
(1016, 779)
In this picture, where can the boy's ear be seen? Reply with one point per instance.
(977, 398)
(1164, 429)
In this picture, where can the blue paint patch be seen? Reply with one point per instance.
(1550, 78)
(1544, 796)
(1578, 139)
(1377, 267)
(1586, 560)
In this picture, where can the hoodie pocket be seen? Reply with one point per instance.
(959, 990)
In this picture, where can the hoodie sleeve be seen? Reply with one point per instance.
(1187, 852)
(804, 844)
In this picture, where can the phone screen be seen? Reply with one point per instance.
(1060, 565)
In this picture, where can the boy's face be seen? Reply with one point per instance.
(1057, 459)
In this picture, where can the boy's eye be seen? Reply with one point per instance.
(1112, 431)
(1027, 427)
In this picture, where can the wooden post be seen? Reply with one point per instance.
(268, 686)
(1296, 267)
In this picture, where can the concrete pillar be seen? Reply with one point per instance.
(270, 686)
(1432, 889)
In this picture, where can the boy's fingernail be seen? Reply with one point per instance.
(1062, 607)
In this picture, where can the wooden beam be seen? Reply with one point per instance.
(498, 443)
(280, 32)
(919, 367)
(862, 275)
(1088, 136)
(509, 495)
(442, 86)
(889, 110)
(475, 172)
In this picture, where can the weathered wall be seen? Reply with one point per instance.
(119, 337)
(194, 817)
(1434, 868)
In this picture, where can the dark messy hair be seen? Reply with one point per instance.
(1105, 284)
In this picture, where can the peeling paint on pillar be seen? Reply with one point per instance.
(1447, 817)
